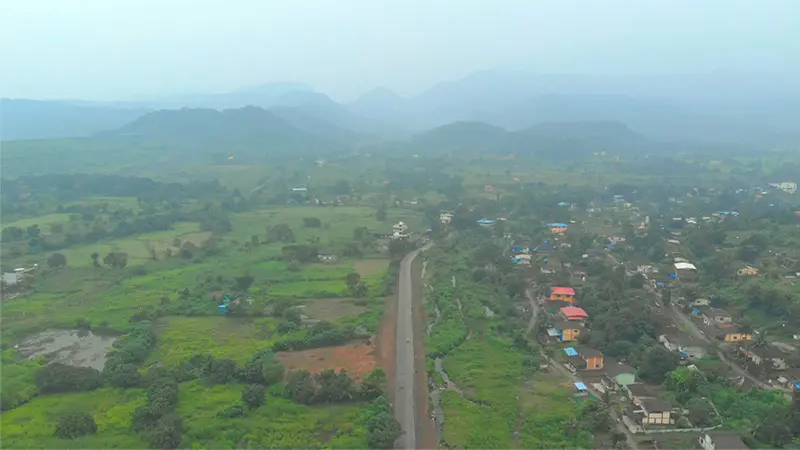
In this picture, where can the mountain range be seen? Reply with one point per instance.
(718, 108)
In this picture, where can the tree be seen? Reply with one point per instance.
(57, 260)
(312, 222)
(381, 213)
(253, 396)
(354, 284)
(33, 231)
(125, 376)
(167, 432)
(57, 377)
(75, 425)
(244, 282)
(117, 260)
(301, 387)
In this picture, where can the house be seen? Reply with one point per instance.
(770, 353)
(616, 239)
(685, 271)
(400, 231)
(328, 259)
(720, 440)
(638, 392)
(565, 330)
(682, 344)
(646, 268)
(593, 359)
(486, 223)
(617, 375)
(729, 332)
(654, 411)
(558, 228)
(573, 313)
(12, 278)
(566, 294)
(714, 316)
(700, 302)
(445, 218)
(523, 258)
(747, 272)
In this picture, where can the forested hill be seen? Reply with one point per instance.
(34, 119)
(558, 139)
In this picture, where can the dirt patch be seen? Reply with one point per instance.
(357, 359)
(369, 267)
(387, 337)
(331, 309)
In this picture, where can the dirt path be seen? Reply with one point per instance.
(534, 307)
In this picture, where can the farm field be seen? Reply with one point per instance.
(222, 337)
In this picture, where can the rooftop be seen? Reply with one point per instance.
(640, 390)
(589, 352)
(727, 441)
(684, 266)
(655, 405)
(573, 312)
(562, 291)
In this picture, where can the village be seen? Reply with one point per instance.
(693, 327)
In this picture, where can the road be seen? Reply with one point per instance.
(530, 293)
(405, 410)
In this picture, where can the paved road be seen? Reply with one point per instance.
(404, 408)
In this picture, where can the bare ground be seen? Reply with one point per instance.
(357, 359)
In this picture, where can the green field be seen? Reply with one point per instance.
(32, 425)
(43, 221)
(222, 337)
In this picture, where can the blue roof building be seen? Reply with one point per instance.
(580, 386)
(570, 351)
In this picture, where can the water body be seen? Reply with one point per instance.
(74, 347)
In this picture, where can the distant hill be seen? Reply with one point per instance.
(555, 139)
(252, 130)
(41, 119)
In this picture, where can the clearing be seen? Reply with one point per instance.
(331, 309)
(356, 358)
(371, 267)
(222, 337)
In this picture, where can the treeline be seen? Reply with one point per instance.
(70, 187)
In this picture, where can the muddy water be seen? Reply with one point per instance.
(73, 347)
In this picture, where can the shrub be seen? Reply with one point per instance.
(75, 425)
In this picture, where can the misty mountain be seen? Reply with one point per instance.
(250, 130)
(35, 119)
(554, 139)
(718, 107)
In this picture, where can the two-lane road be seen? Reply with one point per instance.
(405, 410)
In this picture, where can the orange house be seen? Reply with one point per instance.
(565, 330)
(592, 357)
(565, 294)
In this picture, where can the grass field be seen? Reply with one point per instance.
(331, 309)
(222, 337)
(32, 425)
(42, 221)
(278, 424)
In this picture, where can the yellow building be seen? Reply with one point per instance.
(748, 272)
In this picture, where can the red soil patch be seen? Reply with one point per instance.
(356, 359)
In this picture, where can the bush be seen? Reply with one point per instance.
(253, 396)
(57, 377)
(75, 425)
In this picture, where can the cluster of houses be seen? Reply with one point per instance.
(567, 321)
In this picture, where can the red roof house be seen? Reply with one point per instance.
(566, 294)
(574, 313)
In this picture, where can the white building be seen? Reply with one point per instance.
(400, 231)
(446, 218)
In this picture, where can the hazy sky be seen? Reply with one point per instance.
(106, 49)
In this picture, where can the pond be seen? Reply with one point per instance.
(74, 347)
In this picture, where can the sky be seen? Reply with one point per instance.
(128, 49)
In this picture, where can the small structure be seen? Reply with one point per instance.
(729, 333)
(486, 223)
(558, 227)
(720, 440)
(581, 388)
(523, 259)
(12, 278)
(400, 231)
(638, 392)
(683, 345)
(759, 355)
(714, 316)
(566, 294)
(445, 218)
(685, 271)
(328, 259)
(748, 272)
(563, 204)
(617, 375)
(565, 330)
(300, 189)
(592, 359)
(654, 411)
